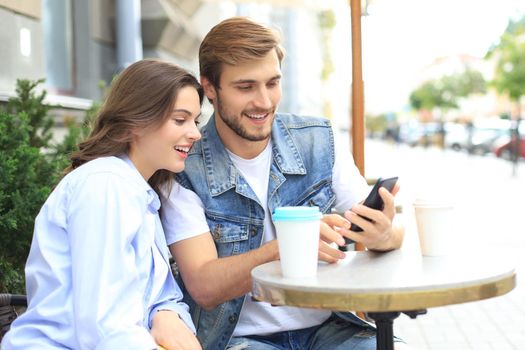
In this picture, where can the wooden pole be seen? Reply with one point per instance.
(357, 132)
(357, 117)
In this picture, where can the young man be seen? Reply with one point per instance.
(249, 161)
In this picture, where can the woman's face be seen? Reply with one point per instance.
(167, 147)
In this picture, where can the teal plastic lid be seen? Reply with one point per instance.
(296, 214)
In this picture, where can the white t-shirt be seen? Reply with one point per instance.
(186, 219)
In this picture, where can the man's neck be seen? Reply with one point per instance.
(239, 146)
(244, 148)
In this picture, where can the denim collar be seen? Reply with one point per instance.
(222, 175)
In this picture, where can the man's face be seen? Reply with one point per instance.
(247, 99)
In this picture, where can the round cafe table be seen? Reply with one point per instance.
(385, 284)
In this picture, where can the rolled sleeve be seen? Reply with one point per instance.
(170, 299)
(180, 308)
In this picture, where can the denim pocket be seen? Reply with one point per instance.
(229, 235)
(319, 195)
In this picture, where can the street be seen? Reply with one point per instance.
(489, 203)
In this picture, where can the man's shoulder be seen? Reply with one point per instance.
(301, 121)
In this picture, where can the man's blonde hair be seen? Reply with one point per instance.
(233, 41)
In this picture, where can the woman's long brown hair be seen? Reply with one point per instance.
(140, 98)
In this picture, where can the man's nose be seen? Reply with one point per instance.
(262, 100)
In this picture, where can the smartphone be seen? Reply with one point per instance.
(374, 200)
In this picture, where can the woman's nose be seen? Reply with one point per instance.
(194, 133)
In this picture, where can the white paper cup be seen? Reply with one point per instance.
(435, 226)
(297, 230)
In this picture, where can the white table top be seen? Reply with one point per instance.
(393, 281)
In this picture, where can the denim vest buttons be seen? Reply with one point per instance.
(300, 175)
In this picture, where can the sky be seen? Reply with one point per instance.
(401, 37)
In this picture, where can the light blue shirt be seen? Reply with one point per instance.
(98, 268)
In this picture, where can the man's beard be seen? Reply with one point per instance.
(235, 123)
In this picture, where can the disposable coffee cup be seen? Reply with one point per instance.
(435, 226)
(297, 230)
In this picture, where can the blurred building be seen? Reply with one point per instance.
(79, 45)
(75, 44)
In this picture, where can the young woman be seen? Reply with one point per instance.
(98, 275)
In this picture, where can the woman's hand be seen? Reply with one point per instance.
(171, 333)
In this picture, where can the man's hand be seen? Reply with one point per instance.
(378, 233)
(171, 333)
(330, 225)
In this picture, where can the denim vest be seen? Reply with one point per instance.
(300, 175)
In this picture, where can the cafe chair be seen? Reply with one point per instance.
(10, 307)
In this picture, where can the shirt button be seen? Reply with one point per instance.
(232, 318)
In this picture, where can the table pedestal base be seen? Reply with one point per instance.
(385, 326)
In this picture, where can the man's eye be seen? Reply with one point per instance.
(244, 87)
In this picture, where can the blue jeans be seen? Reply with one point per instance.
(334, 334)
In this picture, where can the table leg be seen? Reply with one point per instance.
(385, 329)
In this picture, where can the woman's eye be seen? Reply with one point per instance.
(179, 121)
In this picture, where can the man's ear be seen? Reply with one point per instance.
(209, 89)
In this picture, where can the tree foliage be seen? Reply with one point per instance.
(509, 77)
(327, 23)
(446, 91)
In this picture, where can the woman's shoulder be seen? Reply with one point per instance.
(107, 172)
(111, 166)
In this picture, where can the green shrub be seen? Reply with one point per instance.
(26, 180)
(31, 103)
(30, 166)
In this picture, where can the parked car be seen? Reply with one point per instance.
(456, 136)
(483, 139)
(503, 148)
(410, 132)
(414, 133)
(479, 138)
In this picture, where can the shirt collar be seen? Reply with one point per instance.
(152, 196)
